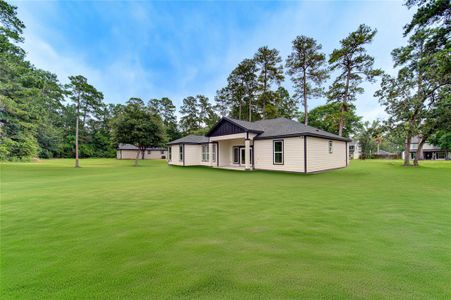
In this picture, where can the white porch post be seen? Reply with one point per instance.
(210, 154)
(247, 159)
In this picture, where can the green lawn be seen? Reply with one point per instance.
(110, 230)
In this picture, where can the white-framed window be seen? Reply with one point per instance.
(180, 152)
(278, 152)
(170, 153)
(331, 147)
(213, 153)
(414, 146)
(205, 153)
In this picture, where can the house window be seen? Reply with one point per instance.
(331, 147)
(213, 153)
(170, 153)
(180, 152)
(440, 155)
(236, 155)
(148, 151)
(205, 153)
(278, 152)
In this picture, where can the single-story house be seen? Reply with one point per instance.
(127, 151)
(429, 151)
(354, 150)
(276, 144)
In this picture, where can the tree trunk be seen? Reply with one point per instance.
(77, 162)
(250, 109)
(341, 122)
(419, 151)
(137, 157)
(240, 110)
(345, 101)
(407, 150)
(264, 95)
(305, 100)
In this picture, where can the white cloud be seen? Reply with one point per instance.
(221, 46)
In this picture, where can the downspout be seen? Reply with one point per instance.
(305, 154)
(183, 154)
(346, 143)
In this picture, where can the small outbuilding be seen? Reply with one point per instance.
(277, 144)
(127, 151)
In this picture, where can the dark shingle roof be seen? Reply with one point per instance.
(281, 127)
(133, 147)
(190, 139)
(272, 128)
(250, 126)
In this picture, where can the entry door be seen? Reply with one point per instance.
(243, 156)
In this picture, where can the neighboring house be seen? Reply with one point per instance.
(277, 144)
(429, 152)
(354, 150)
(385, 154)
(127, 151)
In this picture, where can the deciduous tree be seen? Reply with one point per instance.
(137, 125)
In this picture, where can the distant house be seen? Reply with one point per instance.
(276, 144)
(354, 150)
(429, 151)
(127, 151)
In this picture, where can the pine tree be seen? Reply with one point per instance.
(306, 66)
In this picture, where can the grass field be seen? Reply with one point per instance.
(109, 230)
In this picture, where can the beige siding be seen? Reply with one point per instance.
(293, 155)
(319, 158)
(193, 155)
(229, 137)
(155, 154)
(131, 154)
(175, 156)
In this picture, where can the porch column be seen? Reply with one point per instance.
(210, 154)
(247, 159)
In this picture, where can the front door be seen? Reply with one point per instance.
(243, 157)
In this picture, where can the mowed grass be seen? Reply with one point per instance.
(113, 231)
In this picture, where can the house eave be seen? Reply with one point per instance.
(301, 134)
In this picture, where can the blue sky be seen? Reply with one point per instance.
(178, 49)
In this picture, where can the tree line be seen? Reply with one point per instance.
(41, 117)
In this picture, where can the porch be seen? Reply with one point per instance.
(233, 152)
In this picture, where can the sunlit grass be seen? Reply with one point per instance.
(111, 230)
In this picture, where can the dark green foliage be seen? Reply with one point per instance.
(269, 73)
(282, 105)
(417, 98)
(166, 109)
(198, 115)
(367, 138)
(326, 117)
(135, 124)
